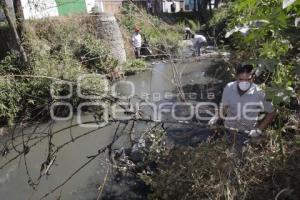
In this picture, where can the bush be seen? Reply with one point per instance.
(134, 66)
(10, 97)
(65, 37)
(60, 49)
(94, 56)
(11, 64)
(162, 38)
(212, 171)
(194, 25)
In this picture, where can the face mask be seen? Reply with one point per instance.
(244, 85)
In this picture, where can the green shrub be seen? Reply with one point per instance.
(194, 25)
(94, 56)
(11, 64)
(162, 37)
(220, 15)
(212, 171)
(59, 49)
(66, 37)
(10, 97)
(134, 66)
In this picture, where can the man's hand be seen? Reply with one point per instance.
(213, 121)
(255, 133)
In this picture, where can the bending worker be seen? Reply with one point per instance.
(243, 102)
(137, 42)
(199, 41)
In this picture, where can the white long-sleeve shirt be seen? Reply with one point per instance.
(187, 29)
(244, 111)
(137, 40)
(199, 39)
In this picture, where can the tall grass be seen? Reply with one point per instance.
(163, 38)
(62, 48)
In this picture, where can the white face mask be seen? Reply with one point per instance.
(244, 85)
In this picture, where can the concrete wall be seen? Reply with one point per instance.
(48, 8)
(37, 9)
(108, 30)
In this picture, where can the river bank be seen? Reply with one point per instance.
(89, 156)
(61, 49)
(155, 84)
(151, 82)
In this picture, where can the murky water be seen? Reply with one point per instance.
(158, 85)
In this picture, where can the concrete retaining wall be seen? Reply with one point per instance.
(108, 30)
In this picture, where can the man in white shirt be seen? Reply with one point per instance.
(242, 103)
(137, 42)
(199, 41)
(241, 107)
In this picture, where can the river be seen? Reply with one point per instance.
(199, 79)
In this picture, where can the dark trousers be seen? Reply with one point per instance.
(198, 46)
(237, 142)
(188, 35)
(137, 52)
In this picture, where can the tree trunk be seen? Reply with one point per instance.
(19, 16)
(15, 32)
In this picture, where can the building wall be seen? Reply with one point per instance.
(66, 7)
(166, 5)
(189, 5)
(37, 9)
(112, 6)
(45, 8)
(91, 4)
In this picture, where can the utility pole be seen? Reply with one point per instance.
(11, 24)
